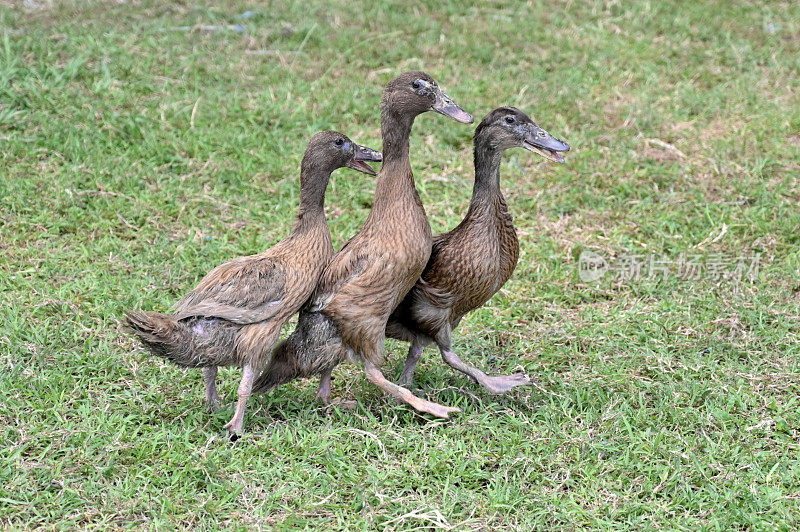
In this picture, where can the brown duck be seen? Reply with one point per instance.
(235, 314)
(472, 262)
(346, 317)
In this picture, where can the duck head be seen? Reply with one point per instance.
(417, 92)
(329, 150)
(508, 127)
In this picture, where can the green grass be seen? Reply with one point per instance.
(135, 157)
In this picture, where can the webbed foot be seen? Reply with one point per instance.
(503, 383)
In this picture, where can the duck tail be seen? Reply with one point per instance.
(165, 337)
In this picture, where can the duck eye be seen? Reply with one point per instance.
(416, 84)
(510, 120)
(339, 142)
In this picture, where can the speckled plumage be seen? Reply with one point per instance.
(469, 264)
(235, 314)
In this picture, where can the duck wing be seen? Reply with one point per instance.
(433, 294)
(438, 285)
(245, 290)
(346, 266)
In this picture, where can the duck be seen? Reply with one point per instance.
(469, 264)
(235, 314)
(345, 318)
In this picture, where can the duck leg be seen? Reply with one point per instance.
(324, 391)
(499, 384)
(212, 397)
(407, 376)
(375, 376)
(234, 426)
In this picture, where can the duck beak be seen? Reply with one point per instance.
(445, 105)
(540, 141)
(362, 153)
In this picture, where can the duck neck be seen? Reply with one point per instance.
(395, 132)
(313, 182)
(486, 191)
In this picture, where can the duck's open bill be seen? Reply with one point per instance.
(540, 141)
(445, 105)
(362, 153)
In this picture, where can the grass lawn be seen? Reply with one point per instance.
(138, 150)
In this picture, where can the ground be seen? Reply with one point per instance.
(139, 149)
